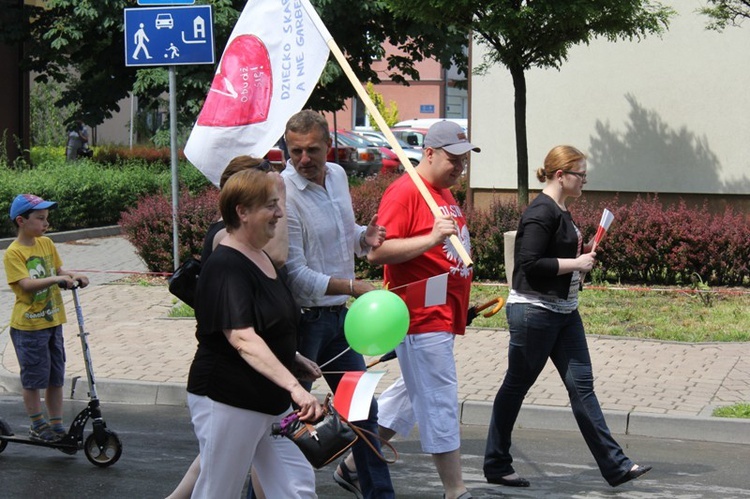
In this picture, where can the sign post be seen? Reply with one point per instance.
(169, 36)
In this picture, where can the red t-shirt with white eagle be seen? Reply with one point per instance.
(405, 214)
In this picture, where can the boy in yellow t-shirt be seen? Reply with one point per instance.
(34, 273)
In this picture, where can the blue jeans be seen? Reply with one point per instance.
(321, 338)
(537, 334)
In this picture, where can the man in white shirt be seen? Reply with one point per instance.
(323, 241)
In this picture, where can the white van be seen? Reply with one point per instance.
(428, 122)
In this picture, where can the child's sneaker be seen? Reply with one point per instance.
(43, 434)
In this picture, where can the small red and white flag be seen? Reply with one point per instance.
(425, 293)
(604, 224)
(269, 68)
(354, 394)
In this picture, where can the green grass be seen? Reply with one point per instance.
(733, 411)
(181, 310)
(655, 315)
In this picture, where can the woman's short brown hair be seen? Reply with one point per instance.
(249, 188)
(241, 163)
(559, 158)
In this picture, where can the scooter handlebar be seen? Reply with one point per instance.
(64, 284)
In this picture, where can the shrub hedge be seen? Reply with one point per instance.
(647, 242)
(148, 226)
(652, 243)
(89, 194)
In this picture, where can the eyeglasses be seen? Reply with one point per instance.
(457, 161)
(581, 175)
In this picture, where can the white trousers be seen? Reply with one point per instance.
(232, 440)
(425, 394)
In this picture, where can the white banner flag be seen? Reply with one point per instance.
(269, 68)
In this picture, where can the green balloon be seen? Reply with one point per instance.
(376, 322)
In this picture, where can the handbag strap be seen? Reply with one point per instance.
(362, 433)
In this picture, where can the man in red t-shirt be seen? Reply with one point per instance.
(417, 248)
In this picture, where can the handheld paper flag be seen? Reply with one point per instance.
(269, 68)
(354, 394)
(425, 293)
(604, 224)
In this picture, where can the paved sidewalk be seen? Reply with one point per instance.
(648, 388)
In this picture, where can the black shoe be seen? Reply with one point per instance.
(509, 482)
(631, 475)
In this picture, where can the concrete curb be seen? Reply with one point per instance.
(477, 413)
(73, 235)
(698, 428)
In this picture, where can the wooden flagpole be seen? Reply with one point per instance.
(373, 110)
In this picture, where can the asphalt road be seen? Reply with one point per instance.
(158, 446)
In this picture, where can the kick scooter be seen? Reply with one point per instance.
(102, 447)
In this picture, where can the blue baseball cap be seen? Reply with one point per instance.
(27, 202)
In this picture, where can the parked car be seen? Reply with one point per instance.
(369, 157)
(413, 131)
(413, 137)
(413, 153)
(428, 122)
(391, 163)
(346, 156)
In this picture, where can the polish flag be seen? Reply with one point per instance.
(269, 68)
(604, 224)
(427, 292)
(354, 394)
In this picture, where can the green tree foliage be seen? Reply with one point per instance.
(79, 44)
(388, 112)
(48, 122)
(522, 34)
(725, 13)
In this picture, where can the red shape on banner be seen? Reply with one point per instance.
(242, 89)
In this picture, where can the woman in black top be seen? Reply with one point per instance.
(544, 323)
(240, 381)
(277, 248)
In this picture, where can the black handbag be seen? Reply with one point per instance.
(184, 281)
(325, 440)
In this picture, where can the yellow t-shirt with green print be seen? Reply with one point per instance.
(43, 309)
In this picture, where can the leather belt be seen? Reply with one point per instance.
(330, 308)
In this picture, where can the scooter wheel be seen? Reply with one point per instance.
(4, 430)
(107, 454)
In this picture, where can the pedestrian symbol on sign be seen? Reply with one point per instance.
(140, 38)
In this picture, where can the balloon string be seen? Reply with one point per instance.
(336, 357)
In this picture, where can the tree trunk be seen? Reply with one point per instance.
(522, 153)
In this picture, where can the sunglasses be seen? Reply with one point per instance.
(265, 166)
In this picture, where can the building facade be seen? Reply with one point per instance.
(437, 94)
(667, 115)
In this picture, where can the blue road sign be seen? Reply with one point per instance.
(167, 36)
(166, 2)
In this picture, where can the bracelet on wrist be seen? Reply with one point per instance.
(351, 287)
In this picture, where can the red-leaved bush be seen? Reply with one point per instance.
(148, 226)
(487, 229)
(647, 242)
(650, 243)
